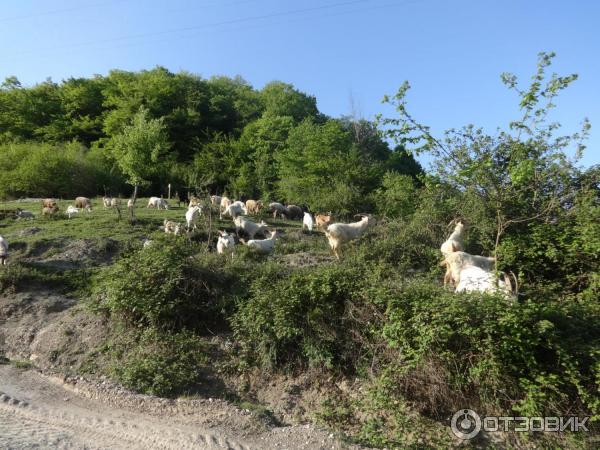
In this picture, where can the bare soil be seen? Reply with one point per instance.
(51, 405)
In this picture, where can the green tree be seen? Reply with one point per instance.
(138, 147)
(509, 179)
(282, 99)
(321, 167)
(258, 146)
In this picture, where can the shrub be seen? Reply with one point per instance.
(533, 357)
(397, 197)
(299, 317)
(164, 285)
(34, 169)
(163, 364)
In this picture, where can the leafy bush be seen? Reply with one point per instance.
(40, 170)
(397, 196)
(156, 363)
(164, 285)
(534, 357)
(299, 317)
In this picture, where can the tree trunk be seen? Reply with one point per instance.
(133, 200)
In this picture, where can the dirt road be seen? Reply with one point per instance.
(38, 411)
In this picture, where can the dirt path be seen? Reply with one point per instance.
(37, 411)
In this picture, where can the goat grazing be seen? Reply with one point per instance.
(225, 243)
(254, 206)
(158, 203)
(294, 212)
(3, 250)
(130, 203)
(83, 203)
(106, 201)
(278, 208)
(248, 227)
(338, 233)
(71, 211)
(263, 246)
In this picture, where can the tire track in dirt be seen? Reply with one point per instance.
(45, 422)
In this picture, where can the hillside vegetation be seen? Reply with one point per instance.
(379, 320)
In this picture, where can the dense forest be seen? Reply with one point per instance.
(218, 135)
(381, 314)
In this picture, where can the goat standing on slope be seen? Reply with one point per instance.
(338, 233)
(191, 216)
(225, 243)
(454, 243)
(308, 222)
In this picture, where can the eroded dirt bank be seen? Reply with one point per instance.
(51, 406)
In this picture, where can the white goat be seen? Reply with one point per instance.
(234, 210)
(225, 243)
(158, 203)
(130, 203)
(338, 233)
(456, 262)
(192, 215)
(454, 243)
(248, 227)
(71, 210)
(308, 221)
(476, 279)
(263, 246)
(114, 202)
(106, 201)
(3, 250)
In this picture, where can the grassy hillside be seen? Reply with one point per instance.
(380, 350)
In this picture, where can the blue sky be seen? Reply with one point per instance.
(343, 52)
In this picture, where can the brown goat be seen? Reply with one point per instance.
(83, 203)
(323, 220)
(254, 206)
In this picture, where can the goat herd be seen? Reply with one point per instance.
(466, 272)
